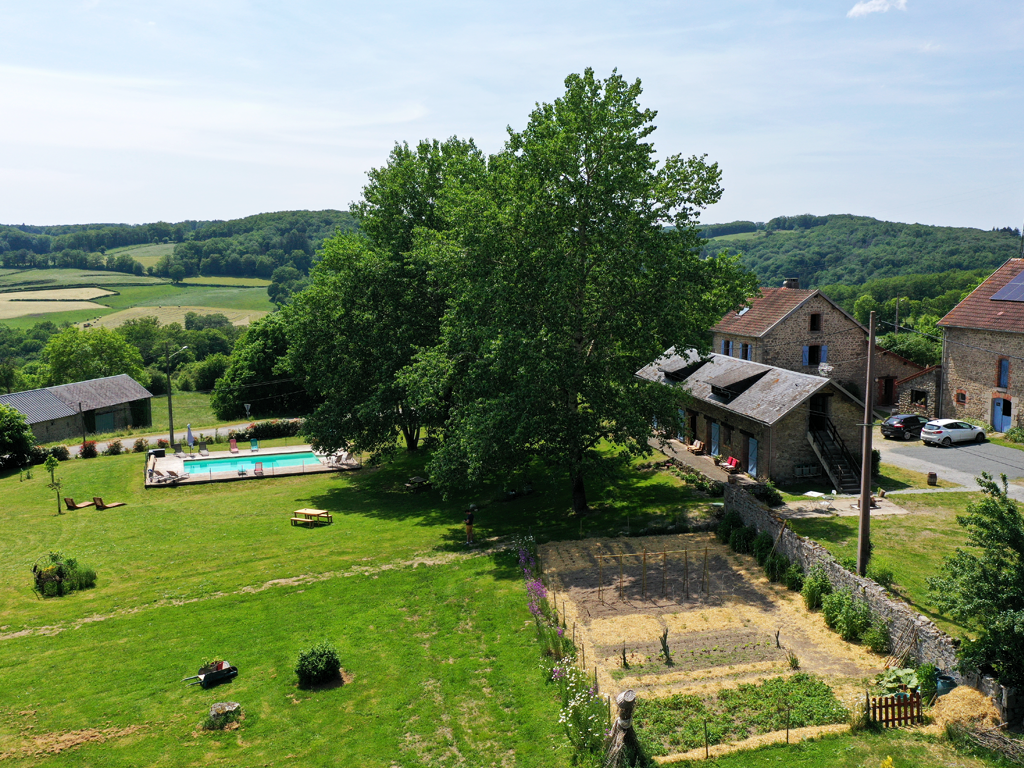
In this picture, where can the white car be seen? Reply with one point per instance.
(945, 432)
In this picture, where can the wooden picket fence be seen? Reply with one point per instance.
(894, 711)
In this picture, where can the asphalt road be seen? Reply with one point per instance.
(960, 463)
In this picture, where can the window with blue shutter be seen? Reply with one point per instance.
(824, 353)
(725, 347)
(1004, 373)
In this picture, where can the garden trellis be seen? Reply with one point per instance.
(645, 555)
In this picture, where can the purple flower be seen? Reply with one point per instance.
(534, 608)
(561, 632)
(557, 673)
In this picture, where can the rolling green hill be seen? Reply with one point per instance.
(847, 249)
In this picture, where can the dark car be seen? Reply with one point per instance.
(905, 426)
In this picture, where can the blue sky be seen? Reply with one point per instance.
(906, 110)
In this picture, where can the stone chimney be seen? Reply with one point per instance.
(791, 282)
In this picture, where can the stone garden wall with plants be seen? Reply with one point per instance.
(932, 644)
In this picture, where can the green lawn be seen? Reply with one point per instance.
(55, 278)
(147, 254)
(890, 478)
(912, 545)
(248, 282)
(444, 663)
(862, 750)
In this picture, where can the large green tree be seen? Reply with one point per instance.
(16, 438)
(372, 304)
(982, 584)
(575, 265)
(77, 354)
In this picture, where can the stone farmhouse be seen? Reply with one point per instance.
(69, 411)
(779, 424)
(803, 330)
(983, 351)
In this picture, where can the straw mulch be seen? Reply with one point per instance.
(965, 706)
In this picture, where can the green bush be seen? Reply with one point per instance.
(927, 678)
(876, 637)
(730, 521)
(141, 445)
(55, 574)
(876, 462)
(775, 566)
(742, 538)
(269, 430)
(60, 452)
(845, 614)
(1015, 434)
(768, 494)
(762, 547)
(794, 577)
(816, 587)
(37, 454)
(88, 450)
(114, 448)
(882, 574)
(832, 606)
(318, 664)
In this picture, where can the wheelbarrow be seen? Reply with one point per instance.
(212, 674)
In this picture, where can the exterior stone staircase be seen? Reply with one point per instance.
(841, 466)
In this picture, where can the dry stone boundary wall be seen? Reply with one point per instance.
(933, 645)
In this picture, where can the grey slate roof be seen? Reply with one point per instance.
(38, 405)
(61, 401)
(100, 393)
(770, 398)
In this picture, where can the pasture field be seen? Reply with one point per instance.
(177, 315)
(248, 282)
(147, 255)
(57, 294)
(737, 236)
(39, 310)
(71, 277)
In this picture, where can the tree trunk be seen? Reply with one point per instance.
(412, 437)
(623, 747)
(579, 493)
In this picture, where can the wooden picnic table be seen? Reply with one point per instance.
(312, 517)
(417, 484)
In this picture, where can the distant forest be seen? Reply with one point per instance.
(850, 250)
(256, 246)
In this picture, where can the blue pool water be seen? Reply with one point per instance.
(248, 462)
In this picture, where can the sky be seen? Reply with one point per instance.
(132, 112)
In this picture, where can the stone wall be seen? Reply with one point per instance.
(933, 645)
(973, 372)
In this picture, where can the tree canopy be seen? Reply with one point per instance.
(372, 303)
(16, 438)
(565, 281)
(77, 354)
(982, 584)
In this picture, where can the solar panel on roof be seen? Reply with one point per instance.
(1012, 291)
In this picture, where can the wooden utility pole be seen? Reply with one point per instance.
(864, 535)
(623, 747)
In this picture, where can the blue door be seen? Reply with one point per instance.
(752, 457)
(681, 433)
(714, 438)
(1001, 409)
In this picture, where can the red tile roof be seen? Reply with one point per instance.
(978, 310)
(764, 312)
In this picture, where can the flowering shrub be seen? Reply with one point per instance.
(141, 445)
(88, 450)
(161, 443)
(114, 448)
(268, 430)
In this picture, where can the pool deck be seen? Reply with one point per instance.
(180, 466)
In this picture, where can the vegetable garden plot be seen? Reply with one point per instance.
(650, 614)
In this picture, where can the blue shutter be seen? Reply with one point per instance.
(824, 353)
(807, 356)
(1004, 373)
(725, 346)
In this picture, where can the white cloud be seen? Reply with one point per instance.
(864, 7)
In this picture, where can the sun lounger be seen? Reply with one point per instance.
(258, 471)
(72, 506)
(695, 447)
(203, 450)
(176, 476)
(159, 477)
(234, 445)
(111, 505)
(254, 445)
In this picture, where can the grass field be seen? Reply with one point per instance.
(239, 302)
(438, 649)
(249, 282)
(71, 277)
(176, 315)
(737, 236)
(913, 545)
(147, 255)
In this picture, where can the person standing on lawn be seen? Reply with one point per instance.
(469, 524)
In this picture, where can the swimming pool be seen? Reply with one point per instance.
(270, 462)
